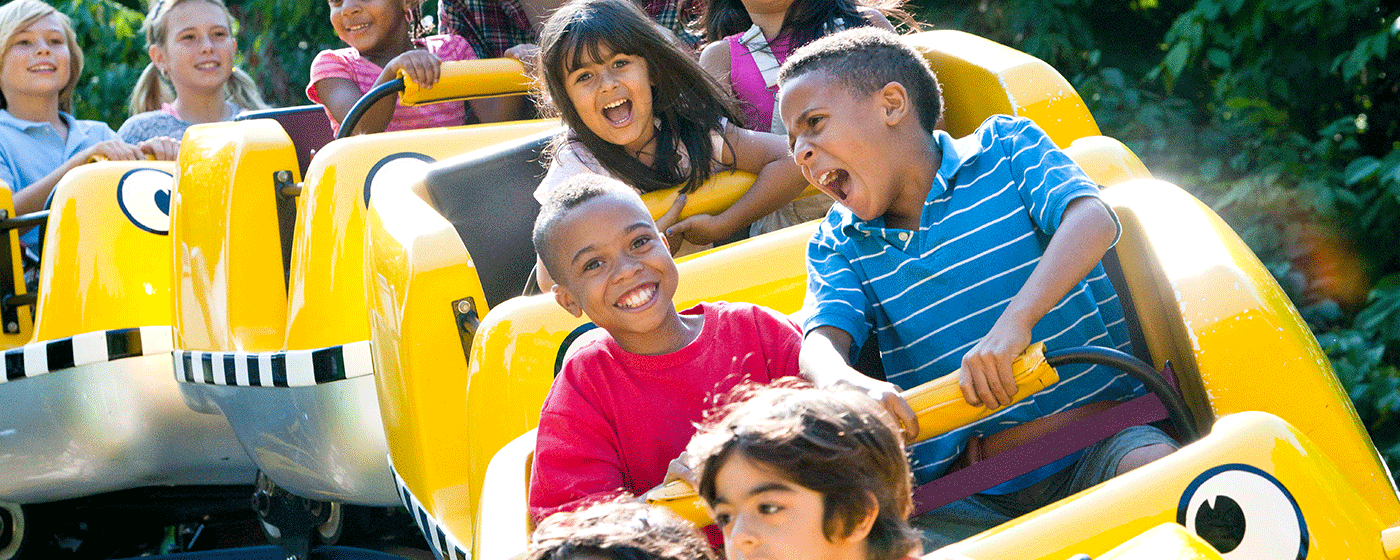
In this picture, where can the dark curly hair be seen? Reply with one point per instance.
(840, 444)
(620, 529)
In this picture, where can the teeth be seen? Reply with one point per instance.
(827, 177)
(204, 65)
(637, 297)
(617, 103)
(358, 27)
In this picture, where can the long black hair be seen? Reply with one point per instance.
(684, 98)
(804, 21)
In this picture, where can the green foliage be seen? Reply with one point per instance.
(114, 52)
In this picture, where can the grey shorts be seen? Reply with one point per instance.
(979, 512)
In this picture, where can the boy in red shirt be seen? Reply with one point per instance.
(626, 402)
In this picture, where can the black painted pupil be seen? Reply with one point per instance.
(1223, 525)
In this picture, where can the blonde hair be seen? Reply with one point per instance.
(18, 16)
(151, 91)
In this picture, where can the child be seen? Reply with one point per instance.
(39, 141)
(797, 472)
(958, 253)
(383, 39)
(641, 110)
(191, 44)
(625, 402)
(749, 39)
(618, 530)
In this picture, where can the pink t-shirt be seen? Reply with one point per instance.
(614, 420)
(347, 63)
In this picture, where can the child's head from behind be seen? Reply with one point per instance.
(807, 473)
(611, 73)
(844, 98)
(374, 26)
(191, 43)
(600, 244)
(41, 53)
(618, 530)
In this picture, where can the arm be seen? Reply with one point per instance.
(823, 361)
(574, 462)
(1087, 230)
(779, 181)
(715, 60)
(339, 94)
(31, 197)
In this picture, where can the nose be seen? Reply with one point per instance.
(802, 151)
(627, 267)
(743, 537)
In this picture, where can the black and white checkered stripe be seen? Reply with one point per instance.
(290, 368)
(84, 349)
(444, 545)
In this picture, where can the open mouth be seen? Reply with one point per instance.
(619, 112)
(637, 297)
(45, 67)
(207, 65)
(836, 182)
(359, 27)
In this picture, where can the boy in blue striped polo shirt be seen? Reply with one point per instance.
(958, 253)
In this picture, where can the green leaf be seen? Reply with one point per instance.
(1175, 62)
(1219, 58)
(1360, 169)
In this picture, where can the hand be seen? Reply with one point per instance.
(986, 378)
(528, 54)
(664, 223)
(421, 66)
(887, 394)
(163, 148)
(111, 150)
(700, 229)
(679, 469)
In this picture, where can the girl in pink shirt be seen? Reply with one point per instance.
(383, 38)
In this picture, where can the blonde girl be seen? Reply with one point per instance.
(39, 140)
(192, 47)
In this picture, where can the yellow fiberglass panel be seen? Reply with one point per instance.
(106, 258)
(981, 78)
(1167, 541)
(20, 333)
(514, 357)
(417, 270)
(326, 293)
(1207, 304)
(1106, 161)
(229, 289)
(1268, 489)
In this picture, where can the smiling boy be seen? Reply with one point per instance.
(957, 253)
(626, 401)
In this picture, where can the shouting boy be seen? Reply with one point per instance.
(957, 253)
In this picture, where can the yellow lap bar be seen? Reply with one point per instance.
(469, 79)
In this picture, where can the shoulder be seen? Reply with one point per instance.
(1007, 127)
(94, 131)
(143, 126)
(449, 47)
(335, 56)
(715, 58)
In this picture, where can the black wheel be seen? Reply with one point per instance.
(292, 522)
(12, 530)
(1177, 410)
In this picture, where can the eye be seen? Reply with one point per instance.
(592, 264)
(769, 509)
(582, 77)
(187, 37)
(641, 241)
(723, 519)
(814, 120)
(620, 62)
(1244, 512)
(144, 197)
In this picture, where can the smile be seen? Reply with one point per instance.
(637, 297)
(359, 27)
(618, 113)
(43, 68)
(207, 65)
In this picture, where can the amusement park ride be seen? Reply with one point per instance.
(348, 329)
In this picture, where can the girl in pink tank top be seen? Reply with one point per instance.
(750, 39)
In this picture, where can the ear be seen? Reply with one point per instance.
(566, 300)
(894, 100)
(872, 512)
(157, 55)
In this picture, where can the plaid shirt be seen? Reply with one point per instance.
(492, 26)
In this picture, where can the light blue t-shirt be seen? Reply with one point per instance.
(29, 151)
(932, 294)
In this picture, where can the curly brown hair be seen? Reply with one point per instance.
(620, 529)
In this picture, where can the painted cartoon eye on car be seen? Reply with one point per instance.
(1244, 512)
(144, 196)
